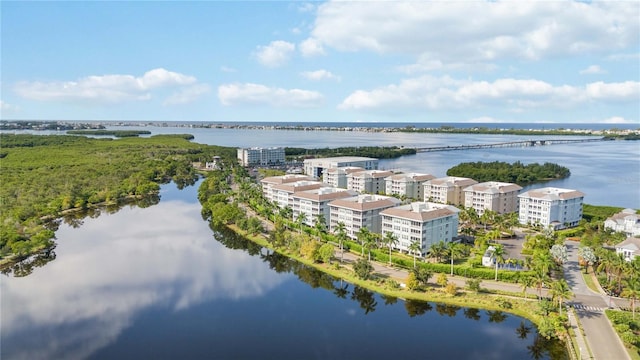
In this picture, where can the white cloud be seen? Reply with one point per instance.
(479, 31)
(320, 75)
(624, 57)
(306, 7)
(617, 120)
(7, 108)
(256, 94)
(445, 93)
(311, 47)
(104, 88)
(593, 69)
(227, 69)
(277, 53)
(186, 95)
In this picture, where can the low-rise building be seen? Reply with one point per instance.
(358, 212)
(447, 190)
(283, 194)
(425, 222)
(368, 181)
(315, 202)
(627, 221)
(551, 207)
(629, 249)
(337, 177)
(269, 182)
(492, 195)
(316, 167)
(261, 156)
(410, 185)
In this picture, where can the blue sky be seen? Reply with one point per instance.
(356, 61)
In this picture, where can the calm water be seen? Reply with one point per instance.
(607, 172)
(158, 283)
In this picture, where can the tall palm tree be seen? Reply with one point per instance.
(498, 256)
(632, 292)
(389, 239)
(320, 225)
(539, 278)
(341, 234)
(300, 220)
(363, 236)
(454, 252)
(415, 248)
(369, 242)
(438, 250)
(559, 291)
(527, 282)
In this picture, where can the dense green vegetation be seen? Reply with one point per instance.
(379, 152)
(630, 136)
(627, 327)
(116, 133)
(44, 176)
(516, 173)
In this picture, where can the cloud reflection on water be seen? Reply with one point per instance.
(114, 267)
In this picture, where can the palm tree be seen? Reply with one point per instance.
(539, 278)
(300, 220)
(363, 236)
(415, 248)
(320, 225)
(341, 234)
(389, 239)
(370, 241)
(438, 250)
(559, 291)
(498, 257)
(527, 282)
(454, 252)
(632, 292)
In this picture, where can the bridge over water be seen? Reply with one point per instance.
(523, 143)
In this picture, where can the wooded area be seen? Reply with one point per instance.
(44, 176)
(516, 173)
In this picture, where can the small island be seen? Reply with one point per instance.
(516, 173)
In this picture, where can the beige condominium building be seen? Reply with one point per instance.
(283, 194)
(269, 182)
(337, 177)
(368, 181)
(447, 190)
(315, 202)
(358, 212)
(317, 167)
(261, 156)
(410, 185)
(549, 206)
(492, 195)
(425, 222)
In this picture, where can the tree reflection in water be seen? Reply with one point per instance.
(24, 266)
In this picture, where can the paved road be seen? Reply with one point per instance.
(601, 338)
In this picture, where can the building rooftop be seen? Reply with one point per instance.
(326, 193)
(283, 179)
(371, 173)
(366, 202)
(453, 181)
(552, 193)
(344, 170)
(493, 187)
(421, 211)
(411, 177)
(299, 186)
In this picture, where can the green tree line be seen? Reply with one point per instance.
(44, 176)
(516, 173)
(380, 152)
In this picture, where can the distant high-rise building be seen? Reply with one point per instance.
(261, 156)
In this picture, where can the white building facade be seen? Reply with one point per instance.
(358, 212)
(626, 221)
(549, 206)
(447, 190)
(317, 167)
(410, 185)
(493, 195)
(283, 194)
(368, 181)
(337, 177)
(315, 202)
(424, 222)
(261, 156)
(269, 182)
